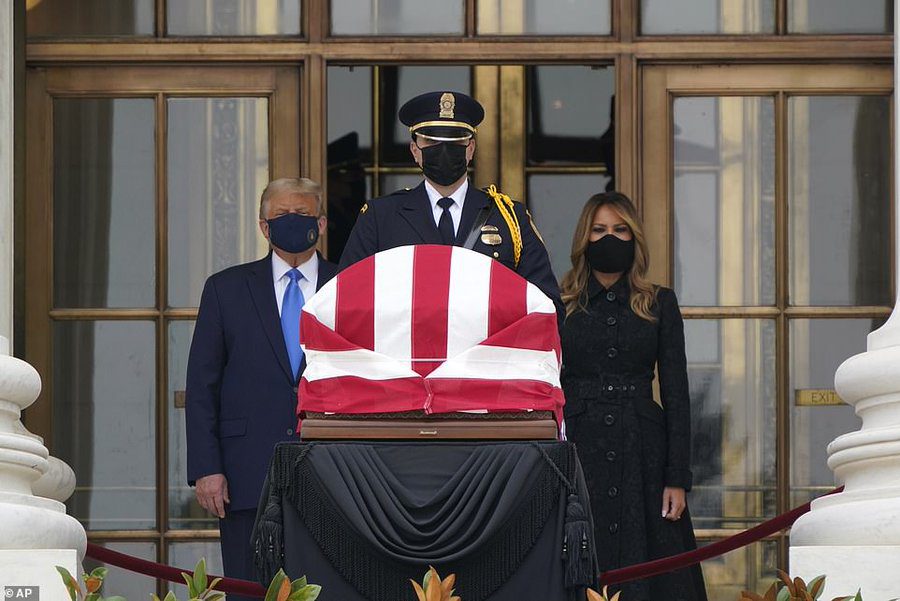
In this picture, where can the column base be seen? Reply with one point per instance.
(30, 574)
(871, 568)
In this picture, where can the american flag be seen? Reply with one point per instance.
(434, 328)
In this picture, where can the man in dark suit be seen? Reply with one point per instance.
(446, 208)
(245, 363)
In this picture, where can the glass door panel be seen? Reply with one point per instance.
(766, 197)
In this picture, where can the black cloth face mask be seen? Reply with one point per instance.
(610, 254)
(294, 233)
(444, 163)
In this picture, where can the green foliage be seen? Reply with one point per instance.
(785, 589)
(200, 588)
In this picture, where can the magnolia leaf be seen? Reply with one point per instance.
(310, 592)
(115, 598)
(593, 595)
(154, 597)
(420, 593)
(786, 579)
(70, 583)
(751, 596)
(858, 595)
(816, 586)
(299, 583)
(455, 598)
(284, 591)
(92, 597)
(212, 585)
(199, 578)
(799, 586)
(215, 596)
(272, 592)
(447, 584)
(99, 572)
(189, 581)
(170, 596)
(616, 596)
(784, 594)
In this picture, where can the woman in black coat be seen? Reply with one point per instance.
(636, 452)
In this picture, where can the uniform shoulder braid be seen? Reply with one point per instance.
(507, 208)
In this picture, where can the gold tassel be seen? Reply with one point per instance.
(506, 206)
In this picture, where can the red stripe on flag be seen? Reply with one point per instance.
(316, 336)
(350, 394)
(534, 332)
(354, 315)
(470, 394)
(430, 296)
(508, 298)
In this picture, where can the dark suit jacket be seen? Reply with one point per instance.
(241, 394)
(406, 217)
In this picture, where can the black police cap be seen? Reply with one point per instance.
(442, 115)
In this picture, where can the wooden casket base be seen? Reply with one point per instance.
(416, 425)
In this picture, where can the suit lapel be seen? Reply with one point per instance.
(262, 291)
(475, 201)
(416, 210)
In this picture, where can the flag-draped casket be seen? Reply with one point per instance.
(438, 329)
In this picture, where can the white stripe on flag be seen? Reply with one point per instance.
(393, 302)
(537, 301)
(361, 363)
(501, 363)
(323, 304)
(467, 307)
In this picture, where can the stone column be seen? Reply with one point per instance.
(6, 169)
(854, 537)
(37, 535)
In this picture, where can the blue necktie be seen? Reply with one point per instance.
(291, 304)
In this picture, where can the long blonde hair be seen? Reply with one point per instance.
(573, 287)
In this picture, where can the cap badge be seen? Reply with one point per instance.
(447, 105)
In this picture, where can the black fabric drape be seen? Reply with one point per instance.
(361, 519)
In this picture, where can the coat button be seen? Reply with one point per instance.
(610, 321)
(295, 389)
(610, 296)
(610, 388)
(609, 419)
(631, 388)
(612, 352)
(610, 455)
(613, 492)
(613, 528)
(290, 432)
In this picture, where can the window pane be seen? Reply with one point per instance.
(120, 581)
(679, 17)
(839, 193)
(233, 17)
(184, 511)
(350, 119)
(67, 18)
(724, 201)
(392, 182)
(750, 568)
(555, 202)
(218, 165)
(399, 84)
(840, 16)
(817, 348)
(104, 203)
(570, 114)
(104, 416)
(186, 555)
(397, 17)
(544, 17)
(731, 369)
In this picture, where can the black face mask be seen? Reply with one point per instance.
(294, 233)
(444, 163)
(610, 254)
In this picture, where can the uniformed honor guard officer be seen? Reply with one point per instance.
(446, 208)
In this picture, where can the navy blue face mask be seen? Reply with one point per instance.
(294, 233)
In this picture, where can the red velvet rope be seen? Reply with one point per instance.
(682, 560)
(635, 572)
(157, 570)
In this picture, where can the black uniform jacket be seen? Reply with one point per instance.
(406, 217)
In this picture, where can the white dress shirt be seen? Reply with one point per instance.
(459, 198)
(309, 270)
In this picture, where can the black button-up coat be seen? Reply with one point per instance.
(631, 447)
